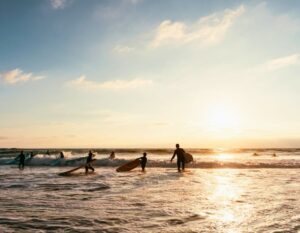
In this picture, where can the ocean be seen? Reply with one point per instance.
(240, 190)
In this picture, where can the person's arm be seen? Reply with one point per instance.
(173, 156)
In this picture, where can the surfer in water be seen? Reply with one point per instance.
(143, 161)
(112, 155)
(180, 157)
(61, 155)
(89, 162)
(22, 160)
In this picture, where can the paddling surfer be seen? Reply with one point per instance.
(89, 162)
(22, 160)
(179, 152)
(143, 161)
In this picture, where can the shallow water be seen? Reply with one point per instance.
(160, 200)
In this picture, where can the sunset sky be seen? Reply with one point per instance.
(149, 73)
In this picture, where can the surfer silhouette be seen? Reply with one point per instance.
(112, 155)
(179, 152)
(89, 162)
(143, 161)
(22, 160)
(61, 155)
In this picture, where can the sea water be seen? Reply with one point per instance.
(222, 191)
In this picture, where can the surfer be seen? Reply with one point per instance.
(180, 157)
(31, 155)
(112, 155)
(143, 161)
(61, 155)
(89, 162)
(22, 160)
(47, 152)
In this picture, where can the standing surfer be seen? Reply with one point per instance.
(143, 161)
(61, 155)
(89, 162)
(180, 157)
(22, 160)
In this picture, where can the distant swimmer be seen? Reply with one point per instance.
(22, 160)
(179, 152)
(143, 161)
(255, 154)
(31, 155)
(61, 155)
(274, 155)
(89, 162)
(47, 152)
(112, 155)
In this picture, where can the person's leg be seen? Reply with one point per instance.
(143, 167)
(178, 165)
(92, 168)
(183, 165)
(86, 169)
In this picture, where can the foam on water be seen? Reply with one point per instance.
(159, 200)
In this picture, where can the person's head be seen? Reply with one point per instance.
(112, 152)
(144, 154)
(177, 145)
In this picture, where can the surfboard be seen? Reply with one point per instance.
(129, 166)
(74, 169)
(188, 158)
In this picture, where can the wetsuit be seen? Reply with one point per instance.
(143, 162)
(88, 163)
(22, 160)
(180, 158)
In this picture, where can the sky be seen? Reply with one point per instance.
(149, 73)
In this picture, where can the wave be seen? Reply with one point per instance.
(155, 163)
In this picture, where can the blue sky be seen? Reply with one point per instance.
(141, 73)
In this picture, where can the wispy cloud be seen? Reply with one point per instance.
(134, 2)
(58, 4)
(18, 76)
(83, 83)
(282, 62)
(206, 31)
(121, 49)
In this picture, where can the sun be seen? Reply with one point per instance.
(223, 119)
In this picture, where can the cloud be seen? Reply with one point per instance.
(18, 76)
(207, 30)
(282, 62)
(122, 49)
(82, 82)
(133, 2)
(58, 4)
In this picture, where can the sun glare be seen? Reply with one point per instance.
(223, 120)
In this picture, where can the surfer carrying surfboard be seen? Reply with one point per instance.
(89, 162)
(180, 157)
